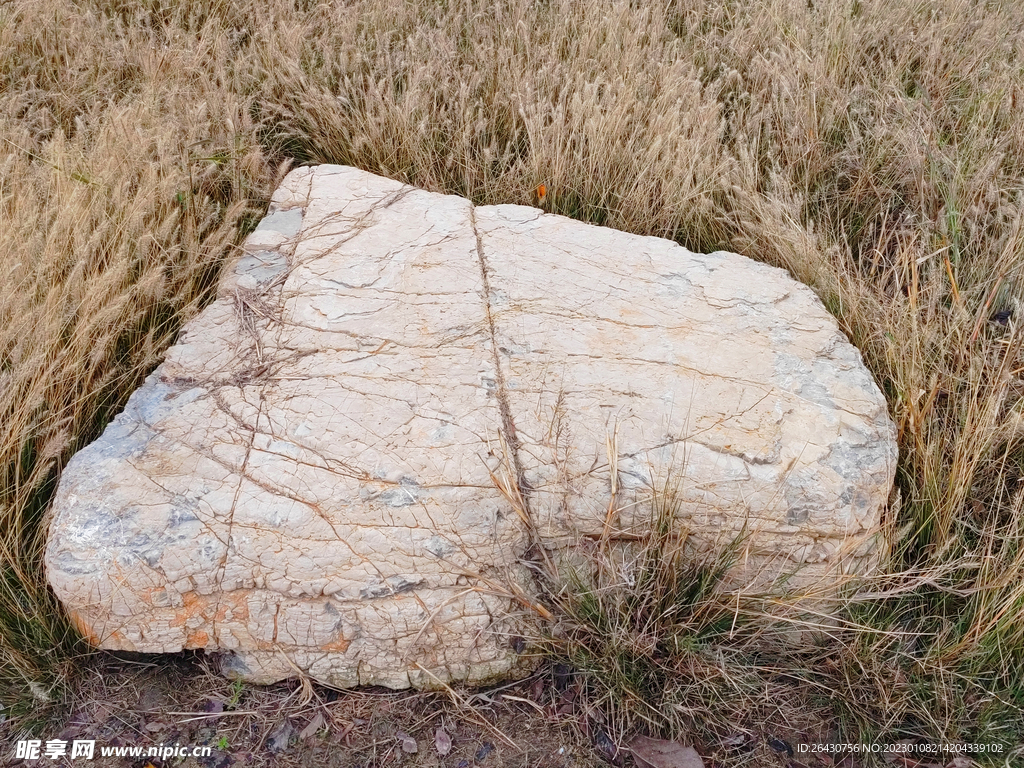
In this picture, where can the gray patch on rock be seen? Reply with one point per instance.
(797, 515)
(210, 551)
(849, 460)
(438, 546)
(853, 460)
(154, 401)
(124, 438)
(77, 566)
(632, 479)
(803, 497)
(183, 512)
(405, 495)
(794, 375)
(285, 222)
(392, 585)
(257, 269)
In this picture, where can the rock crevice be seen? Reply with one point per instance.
(508, 436)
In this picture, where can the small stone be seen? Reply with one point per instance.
(442, 742)
(408, 743)
(485, 749)
(1002, 317)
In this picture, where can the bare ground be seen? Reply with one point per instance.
(541, 721)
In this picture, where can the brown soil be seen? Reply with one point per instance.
(180, 700)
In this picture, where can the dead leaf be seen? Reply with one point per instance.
(442, 742)
(567, 702)
(537, 689)
(657, 753)
(314, 725)
(584, 722)
(409, 745)
(346, 732)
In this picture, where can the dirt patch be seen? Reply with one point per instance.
(180, 703)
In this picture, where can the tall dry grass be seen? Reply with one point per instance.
(871, 147)
(123, 184)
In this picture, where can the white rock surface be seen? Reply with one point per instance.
(308, 480)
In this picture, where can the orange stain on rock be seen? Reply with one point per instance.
(84, 629)
(194, 605)
(340, 645)
(234, 602)
(197, 640)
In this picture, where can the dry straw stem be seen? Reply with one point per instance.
(466, 709)
(847, 141)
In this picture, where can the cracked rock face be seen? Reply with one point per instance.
(309, 482)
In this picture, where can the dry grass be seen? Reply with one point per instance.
(869, 146)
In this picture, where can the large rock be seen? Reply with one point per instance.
(311, 478)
